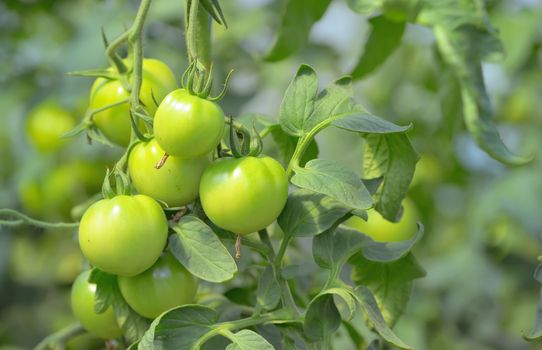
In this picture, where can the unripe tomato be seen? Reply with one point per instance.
(46, 124)
(382, 230)
(123, 235)
(176, 182)
(188, 126)
(103, 325)
(114, 122)
(244, 195)
(165, 285)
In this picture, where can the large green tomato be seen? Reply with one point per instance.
(188, 126)
(103, 325)
(165, 285)
(158, 81)
(176, 182)
(46, 124)
(244, 195)
(123, 235)
(382, 230)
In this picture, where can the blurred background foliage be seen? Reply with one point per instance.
(482, 219)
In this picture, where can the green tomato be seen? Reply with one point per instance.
(188, 126)
(176, 182)
(244, 195)
(103, 325)
(165, 285)
(382, 230)
(114, 122)
(123, 235)
(46, 124)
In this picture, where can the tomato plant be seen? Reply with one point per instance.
(114, 122)
(188, 126)
(163, 286)
(175, 183)
(83, 295)
(255, 189)
(123, 235)
(302, 226)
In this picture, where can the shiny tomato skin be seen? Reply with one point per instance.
(103, 325)
(124, 235)
(188, 126)
(114, 122)
(382, 230)
(175, 183)
(165, 285)
(244, 195)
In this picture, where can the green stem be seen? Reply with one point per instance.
(198, 34)
(302, 144)
(59, 338)
(24, 219)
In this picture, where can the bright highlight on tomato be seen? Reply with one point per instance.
(176, 182)
(46, 124)
(382, 230)
(124, 235)
(103, 325)
(165, 285)
(244, 195)
(188, 126)
(114, 123)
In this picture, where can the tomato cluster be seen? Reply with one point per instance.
(126, 235)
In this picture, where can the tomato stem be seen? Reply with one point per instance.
(22, 219)
(59, 339)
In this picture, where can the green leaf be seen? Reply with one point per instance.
(334, 248)
(392, 157)
(335, 100)
(391, 283)
(241, 296)
(248, 340)
(536, 332)
(179, 328)
(322, 317)
(368, 302)
(213, 8)
(268, 294)
(384, 38)
(298, 102)
(196, 246)
(296, 22)
(108, 294)
(334, 180)
(464, 38)
(286, 144)
(365, 122)
(390, 251)
(308, 213)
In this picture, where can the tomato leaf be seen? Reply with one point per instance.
(392, 157)
(364, 6)
(333, 248)
(316, 325)
(334, 180)
(298, 102)
(296, 21)
(368, 302)
(365, 122)
(179, 328)
(384, 38)
(248, 340)
(391, 283)
(308, 213)
(268, 294)
(108, 294)
(197, 247)
(536, 332)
